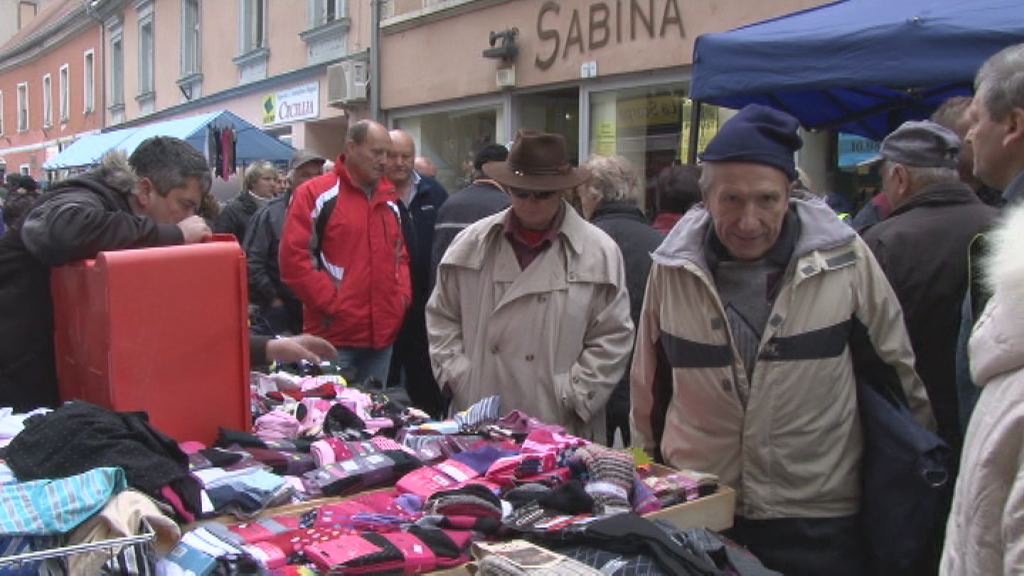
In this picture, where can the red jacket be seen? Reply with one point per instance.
(358, 295)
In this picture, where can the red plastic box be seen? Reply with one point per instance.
(164, 330)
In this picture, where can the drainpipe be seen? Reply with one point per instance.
(375, 10)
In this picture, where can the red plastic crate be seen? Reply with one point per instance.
(163, 330)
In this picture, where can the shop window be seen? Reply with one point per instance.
(47, 101)
(65, 94)
(452, 140)
(650, 126)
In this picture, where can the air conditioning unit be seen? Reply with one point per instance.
(346, 83)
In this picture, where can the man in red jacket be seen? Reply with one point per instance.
(343, 254)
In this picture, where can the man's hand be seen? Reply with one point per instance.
(194, 229)
(301, 347)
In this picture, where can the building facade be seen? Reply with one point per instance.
(610, 75)
(49, 83)
(279, 64)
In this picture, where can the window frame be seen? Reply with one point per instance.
(187, 69)
(147, 79)
(22, 88)
(64, 92)
(247, 44)
(47, 88)
(88, 81)
(318, 11)
(117, 76)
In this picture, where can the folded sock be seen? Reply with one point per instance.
(612, 473)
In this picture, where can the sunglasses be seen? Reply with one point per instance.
(537, 194)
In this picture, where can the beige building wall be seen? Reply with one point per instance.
(285, 20)
(288, 65)
(220, 45)
(441, 48)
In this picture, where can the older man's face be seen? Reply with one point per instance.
(535, 209)
(986, 139)
(401, 157)
(748, 204)
(368, 161)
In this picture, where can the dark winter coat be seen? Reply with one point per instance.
(923, 247)
(418, 229)
(636, 238)
(234, 217)
(474, 202)
(75, 220)
(262, 244)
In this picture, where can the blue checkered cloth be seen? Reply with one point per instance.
(43, 507)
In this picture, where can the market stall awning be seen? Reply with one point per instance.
(252, 143)
(864, 66)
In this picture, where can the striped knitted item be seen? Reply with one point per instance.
(483, 412)
(612, 473)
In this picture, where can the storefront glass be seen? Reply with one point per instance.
(452, 139)
(649, 126)
(554, 111)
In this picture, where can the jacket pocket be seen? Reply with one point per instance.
(565, 395)
(456, 373)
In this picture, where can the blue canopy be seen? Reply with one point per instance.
(252, 143)
(863, 66)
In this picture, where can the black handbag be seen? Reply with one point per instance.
(907, 471)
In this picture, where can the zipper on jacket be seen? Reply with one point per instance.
(695, 270)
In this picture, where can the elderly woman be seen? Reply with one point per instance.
(258, 189)
(610, 200)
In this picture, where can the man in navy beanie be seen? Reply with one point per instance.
(756, 304)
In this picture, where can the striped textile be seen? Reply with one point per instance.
(483, 412)
(43, 507)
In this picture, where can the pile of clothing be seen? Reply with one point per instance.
(381, 487)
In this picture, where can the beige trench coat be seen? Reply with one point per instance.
(552, 340)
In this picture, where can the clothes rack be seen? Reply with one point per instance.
(65, 551)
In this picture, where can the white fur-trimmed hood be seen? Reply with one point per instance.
(115, 171)
(997, 344)
(1004, 267)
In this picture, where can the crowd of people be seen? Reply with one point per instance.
(736, 333)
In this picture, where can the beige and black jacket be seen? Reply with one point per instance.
(795, 449)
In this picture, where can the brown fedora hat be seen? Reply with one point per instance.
(537, 161)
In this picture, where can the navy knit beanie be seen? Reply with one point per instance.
(757, 134)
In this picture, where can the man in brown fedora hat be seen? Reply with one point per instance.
(531, 303)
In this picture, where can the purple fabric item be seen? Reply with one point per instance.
(643, 499)
(521, 423)
(481, 458)
(411, 503)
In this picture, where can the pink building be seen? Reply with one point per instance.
(50, 85)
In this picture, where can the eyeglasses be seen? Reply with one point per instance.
(537, 194)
